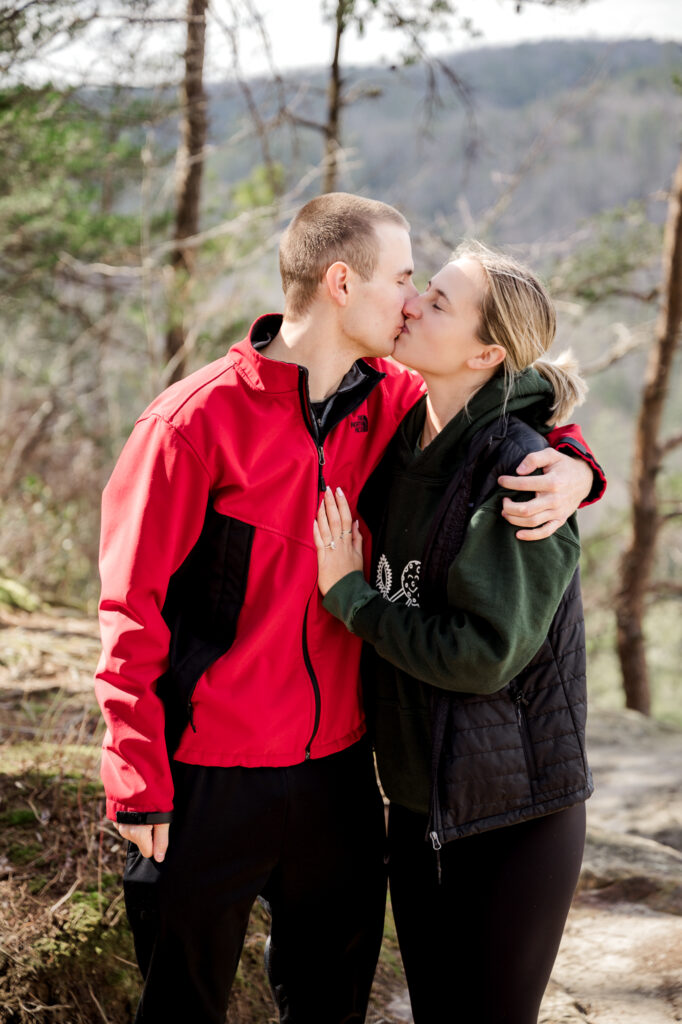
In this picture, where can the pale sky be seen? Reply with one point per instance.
(300, 38)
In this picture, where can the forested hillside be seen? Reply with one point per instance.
(139, 224)
(562, 151)
(603, 113)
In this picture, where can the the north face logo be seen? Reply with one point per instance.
(360, 424)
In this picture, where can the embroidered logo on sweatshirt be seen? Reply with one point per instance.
(409, 582)
(360, 424)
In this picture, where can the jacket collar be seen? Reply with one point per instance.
(262, 373)
(274, 376)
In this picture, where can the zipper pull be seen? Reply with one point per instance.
(437, 847)
(320, 459)
(517, 695)
(190, 715)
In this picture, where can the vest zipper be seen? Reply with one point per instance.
(437, 847)
(520, 705)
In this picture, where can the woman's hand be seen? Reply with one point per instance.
(337, 539)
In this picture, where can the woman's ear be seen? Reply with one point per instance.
(488, 357)
(337, 282)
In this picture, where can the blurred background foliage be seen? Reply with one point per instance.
(562, 152)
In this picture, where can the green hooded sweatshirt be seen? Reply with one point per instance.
(502, 592)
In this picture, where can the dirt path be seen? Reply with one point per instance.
(43, 651)
(621, 957)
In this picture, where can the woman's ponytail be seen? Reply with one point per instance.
(568, 386)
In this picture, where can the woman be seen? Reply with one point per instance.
(475, 675)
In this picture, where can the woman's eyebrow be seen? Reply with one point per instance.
(438, 291)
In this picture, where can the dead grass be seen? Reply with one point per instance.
(66, 953)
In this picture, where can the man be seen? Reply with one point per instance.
(217, 651)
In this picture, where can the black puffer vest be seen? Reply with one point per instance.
(518, 753)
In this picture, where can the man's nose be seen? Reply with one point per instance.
(412, 306)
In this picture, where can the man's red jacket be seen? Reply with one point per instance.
(229, 454)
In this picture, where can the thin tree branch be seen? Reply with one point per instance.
(670, 444)
(232, 35)
(665, 588)
(235, 227)
(626, 343)
(534, 153)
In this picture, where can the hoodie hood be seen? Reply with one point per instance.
(531, 400)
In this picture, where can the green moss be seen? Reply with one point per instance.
(24, 853)
(85, 951)
(88, 789)
(18, 816)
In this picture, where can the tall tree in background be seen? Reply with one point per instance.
(650, 450)
(342, 15)
(190, 167)
(415, 20)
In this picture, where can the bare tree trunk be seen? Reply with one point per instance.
(637, 562)
(334, 102)
(190, 168)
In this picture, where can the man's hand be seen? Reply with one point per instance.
(564, 484)
(152, 840)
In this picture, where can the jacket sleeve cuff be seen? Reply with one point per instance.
(347, 597)
(569, 440)
(571, 446)
(144, 817)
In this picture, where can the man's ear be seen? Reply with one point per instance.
(489, 356)
(337, 278)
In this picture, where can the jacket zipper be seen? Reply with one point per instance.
(321, 486)
(314, 682)
(520, 704)
(309, 421)
(435, 826)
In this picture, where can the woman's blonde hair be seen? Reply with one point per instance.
(518, 314)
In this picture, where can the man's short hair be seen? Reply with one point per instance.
(333, 227)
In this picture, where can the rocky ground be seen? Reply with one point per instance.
(620, 961)
(621, 958)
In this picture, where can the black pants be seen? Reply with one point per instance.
(310, 840)
(481, 945)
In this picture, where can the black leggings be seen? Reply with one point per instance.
(481, 945)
